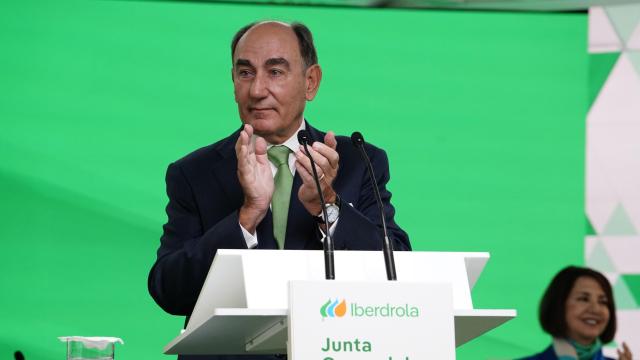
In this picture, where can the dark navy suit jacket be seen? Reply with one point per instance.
(205, 196)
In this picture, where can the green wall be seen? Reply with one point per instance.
(482, 115)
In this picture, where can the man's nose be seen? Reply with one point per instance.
(258, 87)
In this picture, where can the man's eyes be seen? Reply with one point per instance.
(245, 72)
(276, 72)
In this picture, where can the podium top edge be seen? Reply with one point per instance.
(470, 254)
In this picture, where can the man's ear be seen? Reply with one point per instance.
(313, 76)
(232, 74)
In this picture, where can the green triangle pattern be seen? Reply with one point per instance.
(624, 298)
(600, 66)
(624, 19)
(633, 284)
(635, 60)
(619, 223)
(599, 259)
(589, 230)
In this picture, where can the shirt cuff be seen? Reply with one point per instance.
(332, 229)
(249, 238)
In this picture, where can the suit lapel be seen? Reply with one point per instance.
(315, 134)
(225, 171)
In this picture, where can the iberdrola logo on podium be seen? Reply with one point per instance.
(335, 308)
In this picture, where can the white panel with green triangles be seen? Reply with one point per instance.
(614, 28)
(612, 244)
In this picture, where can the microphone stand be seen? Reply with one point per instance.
(329, 267)
(387, 248)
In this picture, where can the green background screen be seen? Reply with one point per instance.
(482, 115)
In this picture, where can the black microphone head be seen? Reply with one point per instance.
(18, 355)
(303, 137)
(357, 139)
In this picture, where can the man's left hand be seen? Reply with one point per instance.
(327, 161)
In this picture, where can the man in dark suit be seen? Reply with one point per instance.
(254, 189)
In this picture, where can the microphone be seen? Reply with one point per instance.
(387, 248)
(303, 137)
(329, 268)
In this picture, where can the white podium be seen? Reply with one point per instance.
(244, 303)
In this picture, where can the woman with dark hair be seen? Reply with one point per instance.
(578, 310)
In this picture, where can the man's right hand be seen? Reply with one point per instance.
(256, 179)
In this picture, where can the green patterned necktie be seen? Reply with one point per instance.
(279, 156)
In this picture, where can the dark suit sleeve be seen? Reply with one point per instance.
(360, 227)
(186, 251)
